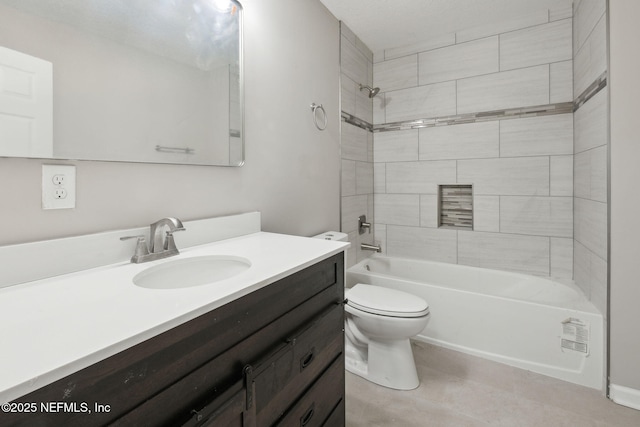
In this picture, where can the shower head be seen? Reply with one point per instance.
(373, 91)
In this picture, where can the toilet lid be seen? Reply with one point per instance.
(385, 301)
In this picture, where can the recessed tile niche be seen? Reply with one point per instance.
(455, 206)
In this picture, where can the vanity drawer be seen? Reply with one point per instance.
(147, 384)
(290, 371)
(316, 406)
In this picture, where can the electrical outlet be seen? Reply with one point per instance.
(58, 179)
(58, 187)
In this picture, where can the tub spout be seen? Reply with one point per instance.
(368, 247)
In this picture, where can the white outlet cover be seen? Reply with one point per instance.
(51, 190)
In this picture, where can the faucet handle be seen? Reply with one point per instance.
(169, 242)
(141, 247)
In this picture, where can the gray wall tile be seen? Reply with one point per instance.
(348, 178)
(486, 213)
(598, 174)
(590, 61)
(537, 136)
(561, 176)
(420, 177)
(395, 146)
(582, 267)
(590, 274)
(422, 102)
(561, 11)
(561, 258)
(432, 43)
(429, 210)
(364, 178)
(524, 254)
(352, 208)
(379, 109)
(459, 61)
(507, 89)
(590, 225)
(542, 44)
(422, 243)
(346, 32)
(523, 21)
(380, 231)
(354, 143)
(379, 178)
(591, 174)
(398, 209)
(561, 82)
(364, 106)
(591, 123)
(538, 216)
(466, 141)
(396, 74)
(348, 94)
(353, 63)
(587, 15)
(517, 176)
(598, 283)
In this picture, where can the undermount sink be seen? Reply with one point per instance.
(188, 272)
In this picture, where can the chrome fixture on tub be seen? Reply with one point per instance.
(162, 246)
(368, 247)
(363, 224)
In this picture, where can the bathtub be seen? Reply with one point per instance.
(524, 321)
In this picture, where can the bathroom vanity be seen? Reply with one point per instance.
(268, 354)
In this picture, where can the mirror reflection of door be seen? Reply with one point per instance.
(26, 105)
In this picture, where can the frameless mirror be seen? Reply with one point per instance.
(156, 81)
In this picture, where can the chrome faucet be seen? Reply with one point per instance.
(161, 245)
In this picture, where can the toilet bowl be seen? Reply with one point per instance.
(378, 324)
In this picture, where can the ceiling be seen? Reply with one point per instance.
(383, 24)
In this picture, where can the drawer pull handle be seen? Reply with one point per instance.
(307, 359)
(304, 420)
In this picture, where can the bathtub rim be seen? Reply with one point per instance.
(581, 304)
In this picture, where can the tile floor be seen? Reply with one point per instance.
(465, 391)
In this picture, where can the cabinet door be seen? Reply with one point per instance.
(228, 409)
(279, 380)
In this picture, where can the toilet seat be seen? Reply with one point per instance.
(386, 302)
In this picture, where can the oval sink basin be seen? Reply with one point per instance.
(188, 272)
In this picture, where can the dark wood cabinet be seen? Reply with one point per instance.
(273, 357)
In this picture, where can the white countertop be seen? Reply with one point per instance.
(53, 327)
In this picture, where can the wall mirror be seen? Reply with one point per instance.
(156, 81)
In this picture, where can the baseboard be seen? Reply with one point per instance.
(625, 396)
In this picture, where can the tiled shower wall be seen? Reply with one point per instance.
(591, 157)
(521, 168)
(356, 65)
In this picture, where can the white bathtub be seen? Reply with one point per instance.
(512, 318)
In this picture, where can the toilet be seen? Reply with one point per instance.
(379, 322)
(378, 325)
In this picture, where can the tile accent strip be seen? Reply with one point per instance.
(353, 120)
(595, 87)
(512, 113)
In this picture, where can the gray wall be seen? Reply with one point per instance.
(521, 169)
(625, 198)
(291, 173)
